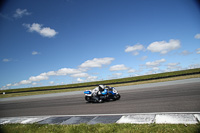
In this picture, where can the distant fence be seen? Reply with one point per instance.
(120, 82)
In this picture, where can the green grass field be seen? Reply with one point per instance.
(192, 73)
(100, 128)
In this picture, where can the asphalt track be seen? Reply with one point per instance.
(167, 97)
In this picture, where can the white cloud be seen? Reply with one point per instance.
(35, 53)
(164, 47)
(134, 49)
(4, 88)
(197, 36)
(92, 78)
(88, 79)
(135, 53)
(118, 67)
(24, 82)
(43, 31)
(65, 71)
(155, 63)
(192, 66)
(34, 27)
(47, 32)
(42, 76)
(51, 82)
(131, 70)
(80, 80)
(15, 84)
(51, 73)
(34, 84)
(80, 75)
(6, 60)
(173, 66)
(96, 62)
(198, 51)
(117, 74)
(144, 57)
(155, 68)
(45, 76)
(19, 13)
(149, 73)
(9, 85)
(185, 52)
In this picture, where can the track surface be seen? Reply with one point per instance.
(183, 97)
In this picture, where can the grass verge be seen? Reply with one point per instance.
(100, 128)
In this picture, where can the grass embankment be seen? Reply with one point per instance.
(100, 128)
(185, 74)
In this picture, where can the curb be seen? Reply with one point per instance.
(134, 118)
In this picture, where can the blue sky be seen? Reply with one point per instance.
(53, 42)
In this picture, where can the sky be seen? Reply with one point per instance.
(58, 42)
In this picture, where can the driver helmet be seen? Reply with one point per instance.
(101, 87)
